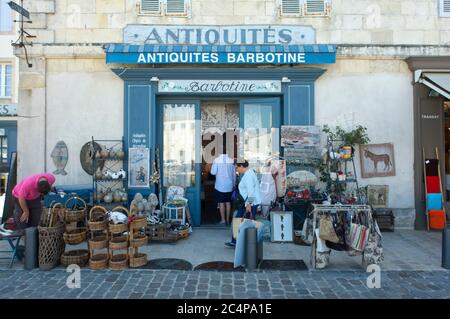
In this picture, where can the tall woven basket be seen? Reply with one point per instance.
(51, 245)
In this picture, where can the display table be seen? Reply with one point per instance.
(372, 247)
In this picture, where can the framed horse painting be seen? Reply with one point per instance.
(377, 160)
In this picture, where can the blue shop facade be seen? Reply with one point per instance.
(182, 89)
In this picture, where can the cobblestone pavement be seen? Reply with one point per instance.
(173, 284)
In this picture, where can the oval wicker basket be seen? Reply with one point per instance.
(78, 257)
(138, 260)
(75, 215)
(138, 222)
(97, 218)
(99, 261)
(183, 234)
(119, 242)
(75, 236)
(118, 262)
(138, 241)
(119, 228)
(98, 242)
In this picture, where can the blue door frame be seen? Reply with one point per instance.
(141, 95)
(10, 128)
(192, 193)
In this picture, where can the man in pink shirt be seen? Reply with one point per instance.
(27, 197)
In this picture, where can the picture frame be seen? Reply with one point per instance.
(139, 167)
(377, 160)
(378, 195)
(301, 136)
(282, 226)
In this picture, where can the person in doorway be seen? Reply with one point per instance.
(27, 199)
(224, 170)
(249, 194)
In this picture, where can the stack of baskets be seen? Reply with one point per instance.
(75, 232)
(51, 243)
(118, 242)
(98, 237)
(137, 239)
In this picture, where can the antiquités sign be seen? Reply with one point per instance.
(219, 86)
(8, 110)
(224, 35)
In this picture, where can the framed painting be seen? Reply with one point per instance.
(377, 160)
(282, 226)
(139, 167)
(378, 195)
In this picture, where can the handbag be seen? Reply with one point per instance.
(326, 230)
(237, 221)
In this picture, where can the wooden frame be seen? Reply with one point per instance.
(381, 192)
(377, 160)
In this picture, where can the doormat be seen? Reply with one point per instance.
(168, 263)
(276, 264)
(219, 266)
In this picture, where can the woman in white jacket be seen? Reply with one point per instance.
(249, 193)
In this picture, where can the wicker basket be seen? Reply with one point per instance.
(99, 261)
(138, 260)
(118, 242)
(75, 215)
(98, 242)
(75, 236)
(156, 232)
(183, 234)
(118, 262)
(119, 228)
(51, 245)
(97, 218)
(78, 257)
(138, 222)
(138, 241)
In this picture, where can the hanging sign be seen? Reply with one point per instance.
(219, 86)
(21, 10)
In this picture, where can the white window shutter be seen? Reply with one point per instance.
(444, 8)
(290, 7)
(176, 6)
(317, 7)
(150, 6)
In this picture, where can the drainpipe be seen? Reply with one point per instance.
(45, 115)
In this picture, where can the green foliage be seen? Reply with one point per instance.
(351, 138)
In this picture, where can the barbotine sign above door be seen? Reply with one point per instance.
(219, 86)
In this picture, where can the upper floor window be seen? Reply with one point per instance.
(166, 7)
(305, 7)
(6, 16)
(444, 8)
(5, 80)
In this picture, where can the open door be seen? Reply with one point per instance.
(181, 150)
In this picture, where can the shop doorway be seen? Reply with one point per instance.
(220, 122)
(253, 124)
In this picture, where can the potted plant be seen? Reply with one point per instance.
(349, 138)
